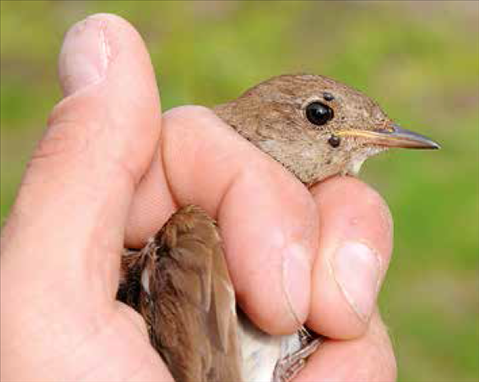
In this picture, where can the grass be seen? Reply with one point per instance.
(420, 60)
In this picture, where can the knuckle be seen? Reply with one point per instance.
(59, 141)
(190, 112)
(68, 133)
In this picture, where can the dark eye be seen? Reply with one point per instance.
(334, 141)
(318, 113)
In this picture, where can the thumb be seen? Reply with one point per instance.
(70, 214)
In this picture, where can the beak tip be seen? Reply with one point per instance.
(431, 145)
(417, 141)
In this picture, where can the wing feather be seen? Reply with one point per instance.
(190, 307)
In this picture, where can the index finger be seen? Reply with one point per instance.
(268, 219)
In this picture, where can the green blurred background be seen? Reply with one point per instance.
(420, 60)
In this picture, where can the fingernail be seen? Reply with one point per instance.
(356, 269)
(84, 56)
(296, 281)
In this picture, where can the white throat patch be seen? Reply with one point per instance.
(357, 160)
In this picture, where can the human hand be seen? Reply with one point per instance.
(109, 172)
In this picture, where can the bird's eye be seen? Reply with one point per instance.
(318, 113)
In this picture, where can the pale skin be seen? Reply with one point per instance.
(101, 178)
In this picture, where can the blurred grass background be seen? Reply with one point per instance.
(420, 60)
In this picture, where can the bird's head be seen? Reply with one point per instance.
(315, 126)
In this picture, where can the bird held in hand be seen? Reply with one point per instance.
(314, 126)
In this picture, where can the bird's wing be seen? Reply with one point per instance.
(188, 301)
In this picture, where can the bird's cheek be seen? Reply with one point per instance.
(333, 162)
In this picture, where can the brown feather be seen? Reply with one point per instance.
(190, 308)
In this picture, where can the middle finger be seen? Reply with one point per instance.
(355, 244)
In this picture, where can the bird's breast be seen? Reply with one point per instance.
(260, 351)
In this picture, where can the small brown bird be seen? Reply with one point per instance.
(316, 127)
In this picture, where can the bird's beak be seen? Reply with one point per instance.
(396, 137)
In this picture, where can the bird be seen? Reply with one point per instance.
(316, 127)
